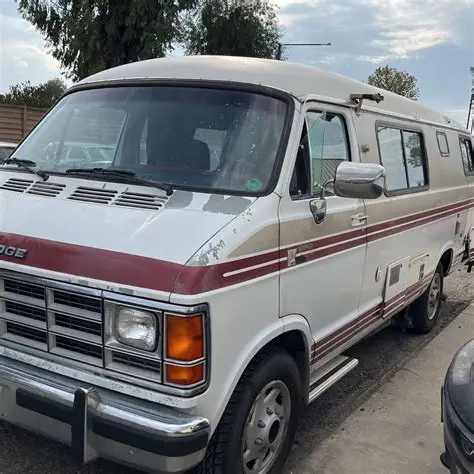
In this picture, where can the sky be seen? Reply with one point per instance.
(431, 39)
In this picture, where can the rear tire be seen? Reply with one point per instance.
(423, 313)
(258, 426)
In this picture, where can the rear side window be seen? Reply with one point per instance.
(443, 143)
(402, 154)
(467, 156)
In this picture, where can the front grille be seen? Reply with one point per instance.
(77, 301)
(67, 323)
(78, 324)
(24, 332)
(68, 344)
(22, 310)
(23, 289)
(62, 322)
(142, 367)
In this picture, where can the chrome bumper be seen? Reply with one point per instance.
(96, 422)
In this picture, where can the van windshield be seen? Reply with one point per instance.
(210, 139)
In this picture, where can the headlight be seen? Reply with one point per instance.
(157, 342)
(460, 384)
(136, 328)
(462, 366)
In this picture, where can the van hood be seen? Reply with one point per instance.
(112, 217)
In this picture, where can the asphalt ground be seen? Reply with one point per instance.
(380, 357)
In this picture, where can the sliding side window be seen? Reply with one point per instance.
(402, 153)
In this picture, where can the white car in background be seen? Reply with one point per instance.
(77, 154)
(6, 149)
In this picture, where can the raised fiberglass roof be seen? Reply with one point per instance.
(298, 79)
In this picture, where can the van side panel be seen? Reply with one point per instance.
(408, 233)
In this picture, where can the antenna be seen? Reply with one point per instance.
(280, 46)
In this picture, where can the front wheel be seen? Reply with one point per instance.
(257, 428)
(424, 312)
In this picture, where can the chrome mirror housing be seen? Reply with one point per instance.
(359, 180)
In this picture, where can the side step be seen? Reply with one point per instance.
(326, 376)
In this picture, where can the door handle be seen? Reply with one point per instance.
(359, 219)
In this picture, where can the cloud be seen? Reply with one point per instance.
(23, 55)
(379, 30)
(408, 25)
(429, 38)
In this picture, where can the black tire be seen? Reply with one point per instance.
(223, 454)
(423, 318)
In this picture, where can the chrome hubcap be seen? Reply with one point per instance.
(266, 428)
(434, 296)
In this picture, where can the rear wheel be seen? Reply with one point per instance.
(424, 312)
(257, 428)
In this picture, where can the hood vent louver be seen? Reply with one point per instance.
(44, 188)
(138, 200)
(97, 195)
(17, 185)
(87, 194)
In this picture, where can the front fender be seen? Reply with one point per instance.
(254, 346)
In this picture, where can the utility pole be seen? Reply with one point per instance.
(280, 46)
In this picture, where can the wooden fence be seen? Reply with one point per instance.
(16, 121)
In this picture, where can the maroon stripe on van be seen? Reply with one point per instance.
(428, 216)
(371, 237)
(127, 269)
(98, 264)
(336, 339)
(459, 207)
(343, 339)
(317, 254)
(416, 222)
(145, 272)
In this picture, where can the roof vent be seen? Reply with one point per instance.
(97, 195)
(17, 185)
(45, 188)
(142, 201)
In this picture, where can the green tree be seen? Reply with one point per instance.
(393, 80)
(88, 36)
(227, 27)
(42, 95)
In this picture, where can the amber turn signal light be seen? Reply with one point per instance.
(184, 337)
(187, 375)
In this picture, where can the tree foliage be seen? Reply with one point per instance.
(88, 36)
(43, 95)
(227, 27)
(393, 80)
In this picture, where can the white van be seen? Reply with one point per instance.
(178, 307)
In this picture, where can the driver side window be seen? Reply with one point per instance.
(322, 147)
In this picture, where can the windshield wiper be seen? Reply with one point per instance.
(130, 176)
(26, 165)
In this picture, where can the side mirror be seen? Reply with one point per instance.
(359, 180)
(352, 180)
